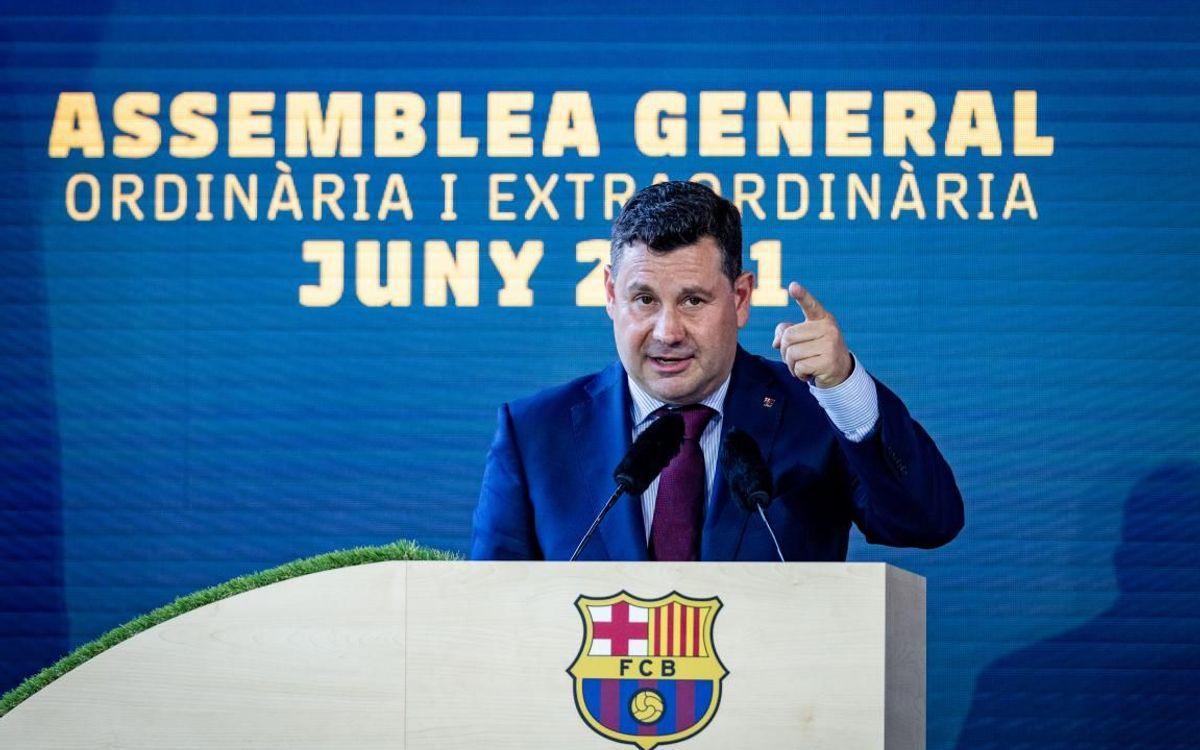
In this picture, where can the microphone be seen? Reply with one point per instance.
(645, 459)
(650, 453)
(748, 477)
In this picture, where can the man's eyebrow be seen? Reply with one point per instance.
(688, 291)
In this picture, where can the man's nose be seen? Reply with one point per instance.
(668, 329)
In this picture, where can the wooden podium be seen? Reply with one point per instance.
(408, 655)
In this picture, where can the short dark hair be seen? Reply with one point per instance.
(670, 215)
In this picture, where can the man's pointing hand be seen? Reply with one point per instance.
(813, 350)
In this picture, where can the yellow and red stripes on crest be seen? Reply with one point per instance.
(677, 630)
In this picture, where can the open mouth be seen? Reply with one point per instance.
(670, 364)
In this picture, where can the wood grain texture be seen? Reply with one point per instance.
(305, 663)
(819, 656)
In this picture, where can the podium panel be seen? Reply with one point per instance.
(418, 655)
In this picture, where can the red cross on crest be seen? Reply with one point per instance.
(620, 631)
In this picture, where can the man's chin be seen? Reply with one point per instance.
(675, 389)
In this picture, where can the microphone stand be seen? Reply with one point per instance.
(596, 524)
(770, 531)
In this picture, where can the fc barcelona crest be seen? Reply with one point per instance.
(647, 672)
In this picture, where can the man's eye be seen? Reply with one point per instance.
(643, 299)
(693, 302)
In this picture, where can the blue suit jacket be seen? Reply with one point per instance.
(549, 471)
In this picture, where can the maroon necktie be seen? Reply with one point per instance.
(679, 507)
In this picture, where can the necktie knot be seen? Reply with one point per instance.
(695, 418)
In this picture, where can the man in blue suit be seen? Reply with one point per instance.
(841, 447)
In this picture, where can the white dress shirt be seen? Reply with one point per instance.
(852, 406)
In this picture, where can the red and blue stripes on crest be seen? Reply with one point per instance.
(685, 702)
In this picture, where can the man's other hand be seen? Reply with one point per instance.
(813, 350)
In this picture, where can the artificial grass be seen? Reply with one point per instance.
(400, 550)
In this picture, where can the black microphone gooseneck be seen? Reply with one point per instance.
(749, 478)
(646, 458)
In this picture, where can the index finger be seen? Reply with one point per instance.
(812, 308)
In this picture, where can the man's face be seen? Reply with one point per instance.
(676, 317)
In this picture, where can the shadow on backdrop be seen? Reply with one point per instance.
(34, 624)
(1130, 677)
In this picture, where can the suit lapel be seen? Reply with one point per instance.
(753, 404)
(603, 429)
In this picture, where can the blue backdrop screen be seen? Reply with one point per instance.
(268, 270)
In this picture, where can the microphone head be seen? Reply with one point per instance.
(745, 471)
(650, 454)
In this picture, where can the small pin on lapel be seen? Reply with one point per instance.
(768, 402)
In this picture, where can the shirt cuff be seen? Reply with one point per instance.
(852, 405)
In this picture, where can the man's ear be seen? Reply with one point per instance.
(610, 293)
(743, 288)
